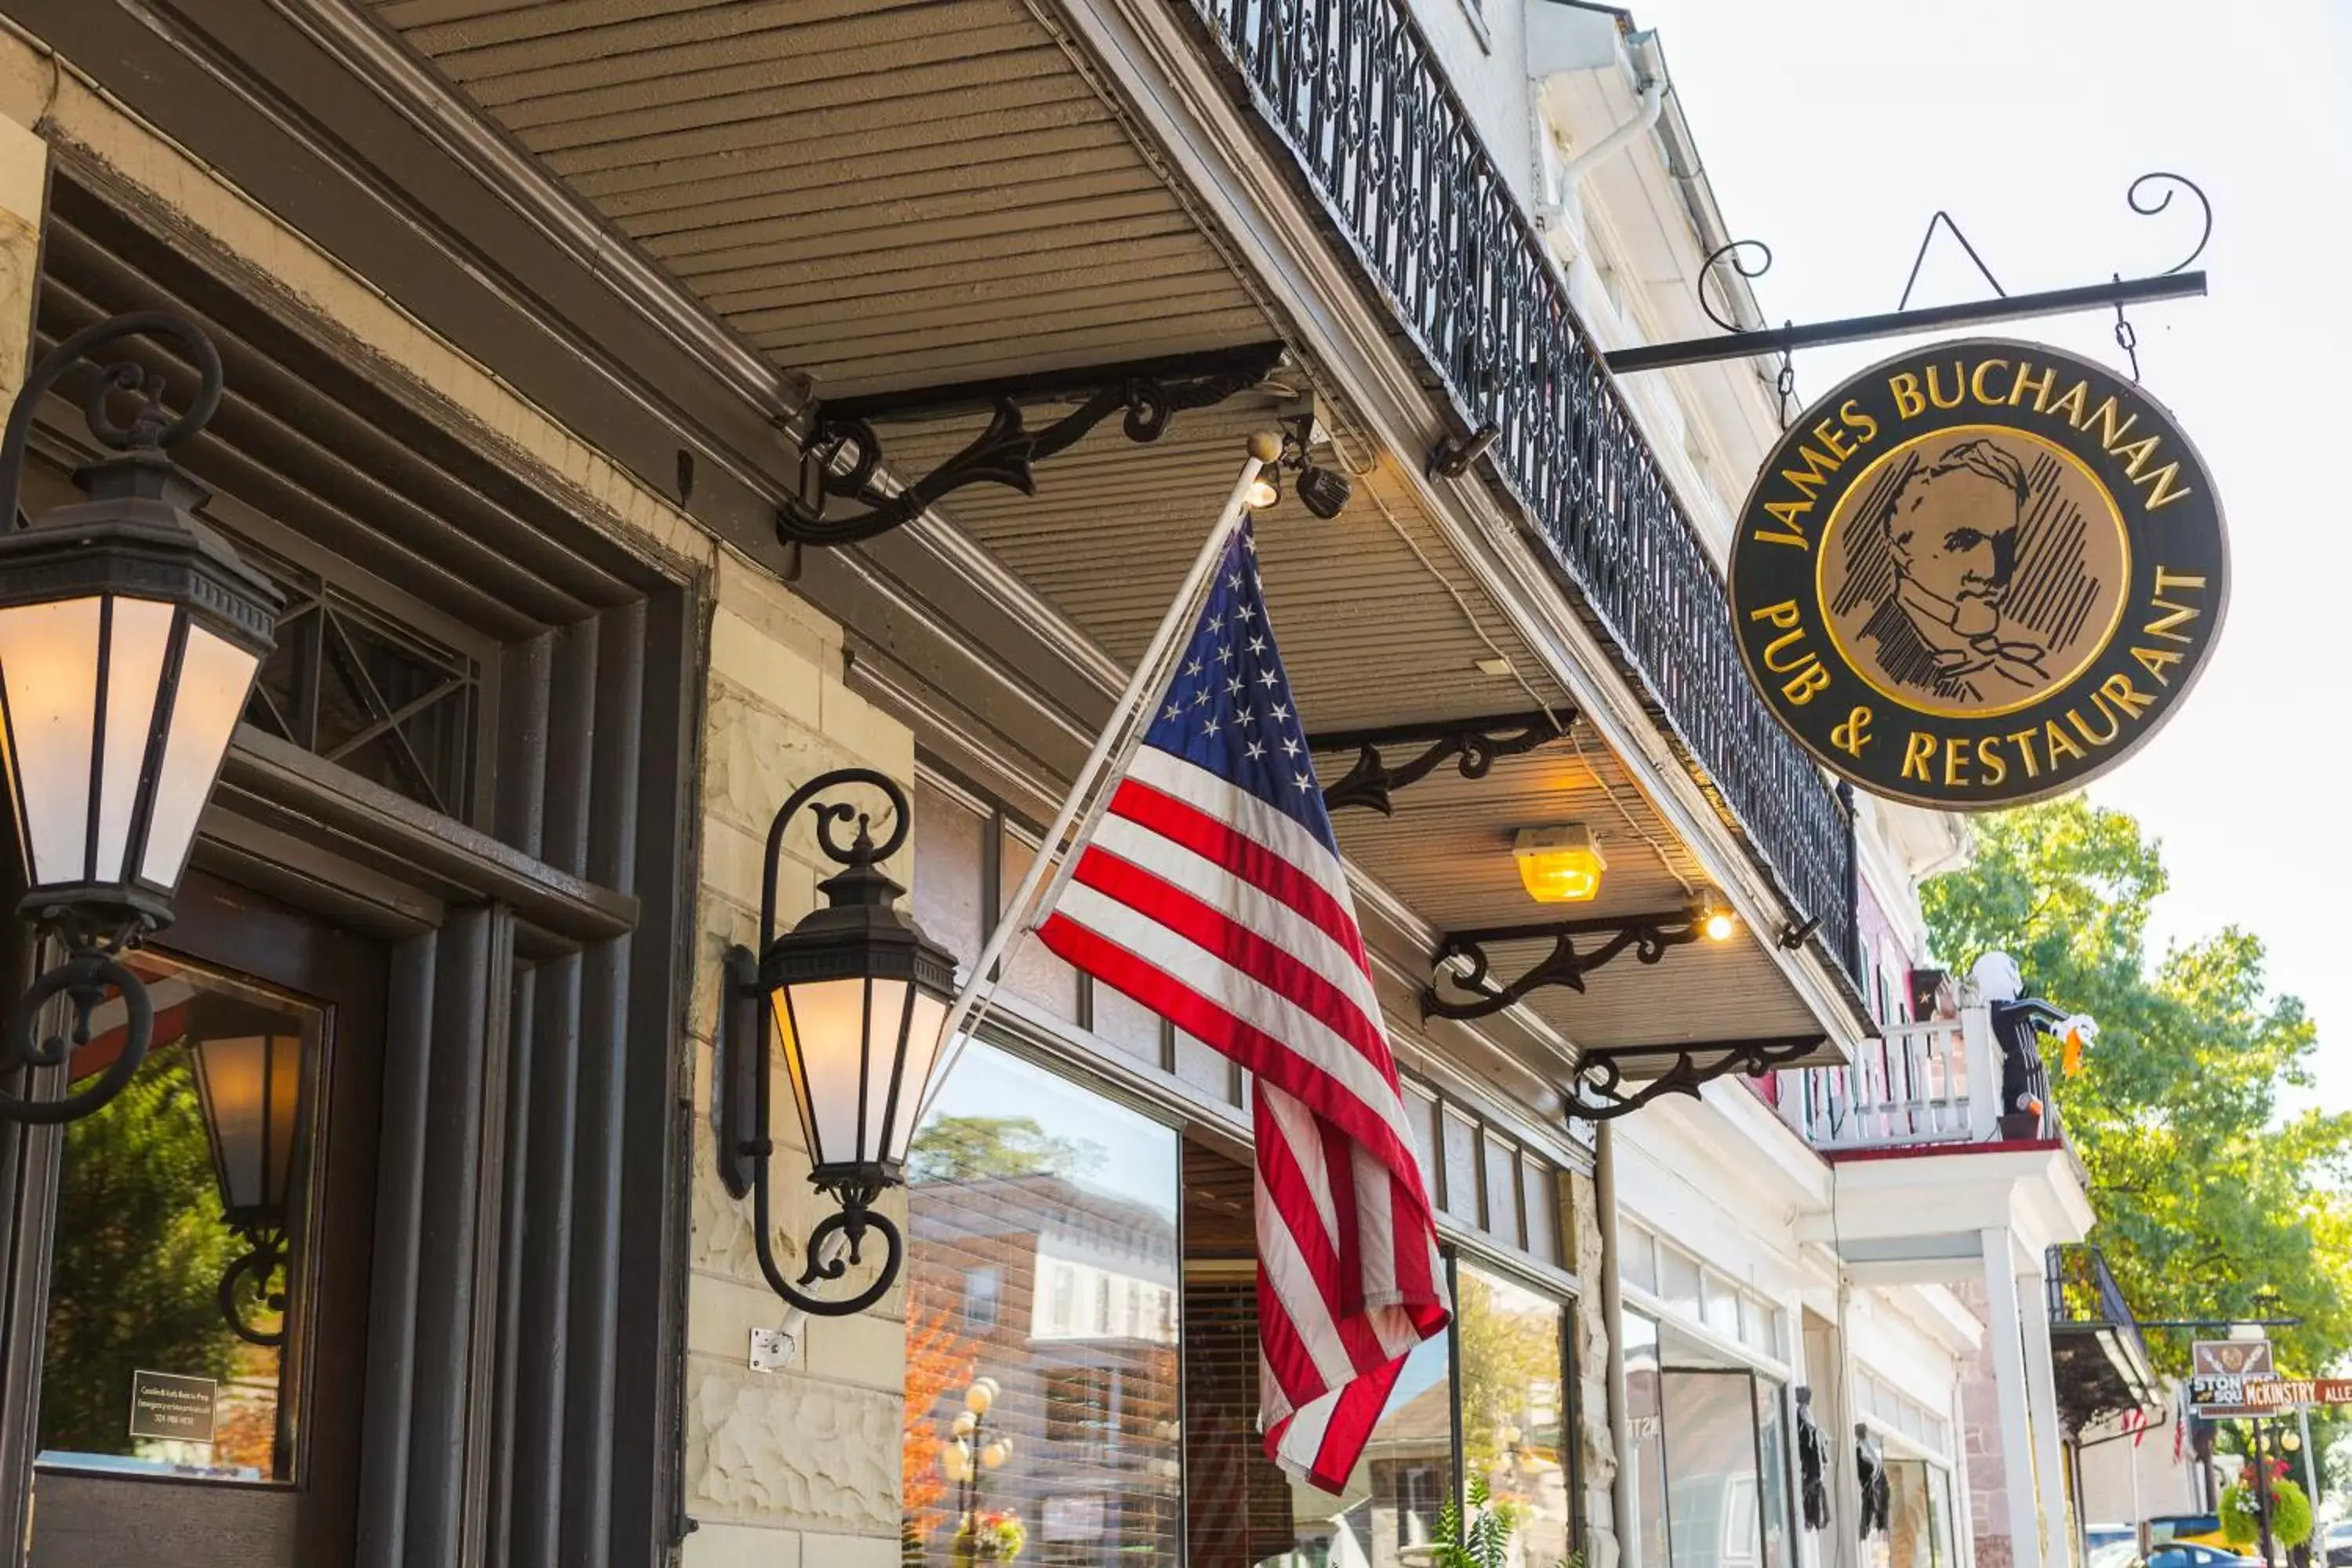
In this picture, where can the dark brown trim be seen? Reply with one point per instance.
(290, 125)
(276, 784)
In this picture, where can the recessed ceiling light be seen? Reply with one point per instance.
(1559, 865)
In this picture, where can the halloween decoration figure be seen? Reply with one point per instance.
(1812, 1463)
(1870, 1468)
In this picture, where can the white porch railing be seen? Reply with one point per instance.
(1932, 1083)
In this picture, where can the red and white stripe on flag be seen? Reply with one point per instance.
(1211, 891)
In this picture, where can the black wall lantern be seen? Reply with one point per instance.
(247, 1065)
(857, 999)
(130, 637)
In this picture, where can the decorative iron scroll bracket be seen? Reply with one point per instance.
(2175, 282)
(1476, 744)
(1646, 937)
(1601, 1081)
(844, 455)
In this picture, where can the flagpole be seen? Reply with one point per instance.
(1111, 748)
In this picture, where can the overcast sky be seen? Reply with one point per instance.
(1833, 129)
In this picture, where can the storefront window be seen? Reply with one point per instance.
(1711, 1488)
(1042, 1268)
(1774, 1454)
(1515, 1427)
(1646, 1415)
(181, 1270)
(1918, 1518)
(1242, 1512)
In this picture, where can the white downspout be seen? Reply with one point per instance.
(1654, 101)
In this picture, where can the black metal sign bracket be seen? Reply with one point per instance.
(844, 457)
(1476, 744)
(2175, 282)
(1601, 1091)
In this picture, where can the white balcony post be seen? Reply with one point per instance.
(2041, 1394)
(1982, 1052)
(2005, 1343)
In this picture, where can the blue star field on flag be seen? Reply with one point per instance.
(1229, 707)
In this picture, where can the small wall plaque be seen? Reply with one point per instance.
(167, 1406)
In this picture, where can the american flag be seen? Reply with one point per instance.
(1212, 892)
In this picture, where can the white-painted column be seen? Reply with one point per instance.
(1841, 1418)
(2005, 1341)
(2041, 1409)
(1624, 1497)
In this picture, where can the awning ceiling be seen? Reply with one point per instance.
(886, 196)
(879, 194)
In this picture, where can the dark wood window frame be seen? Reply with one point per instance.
(539, 940)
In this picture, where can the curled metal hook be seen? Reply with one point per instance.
(1731, 253)
(2147, 208)
(148, 429)
(83, 979)
(254, 1273)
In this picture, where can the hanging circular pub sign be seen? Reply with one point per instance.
(1979, 574)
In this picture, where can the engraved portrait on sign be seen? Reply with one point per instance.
(1974, 569)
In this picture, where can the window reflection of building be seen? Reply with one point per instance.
(1042, 1254)
(1042, 1241)
(1713, 1451)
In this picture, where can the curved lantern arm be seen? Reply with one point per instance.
(851, 1221)
(249, 1278)
(83, 979)
(148, 428)
(744, 1074)
(827, 814)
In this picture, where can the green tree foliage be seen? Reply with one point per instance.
(1504, 1354)
(137, 1262)
(971, 1148)
(2208, 1189)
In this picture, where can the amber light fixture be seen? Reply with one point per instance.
(1559, 865)
(130, 636)
(855, 998)
(247, 1064)
(1715, 921)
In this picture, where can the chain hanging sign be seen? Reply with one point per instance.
(1979, 574)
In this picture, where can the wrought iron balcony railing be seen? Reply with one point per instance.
(1357, 98)
(2098, 1357)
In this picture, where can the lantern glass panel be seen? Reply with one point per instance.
(138, 635)
(824, 1027)
(249, 1086)
(923, 1042)
(886, 1027)
(215, 677)
(48, 668)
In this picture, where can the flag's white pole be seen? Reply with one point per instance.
(1126, 722)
